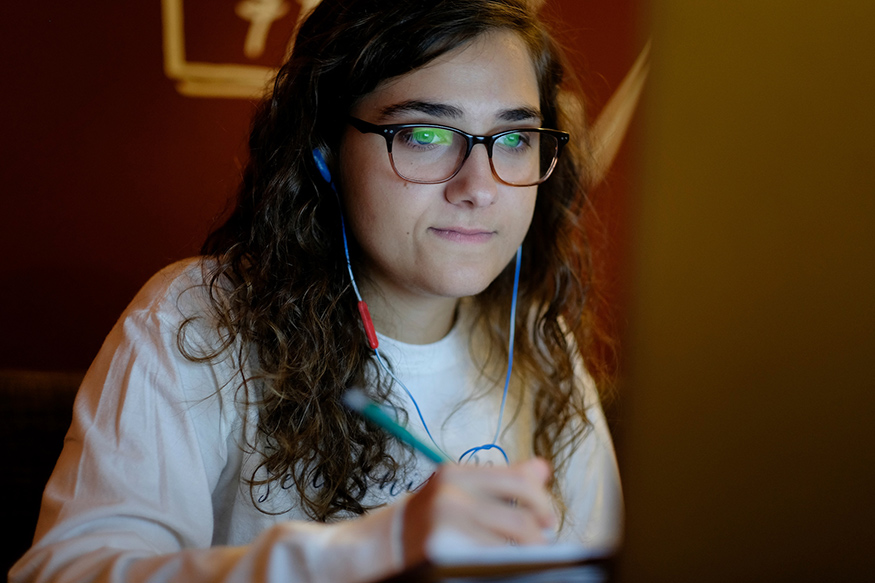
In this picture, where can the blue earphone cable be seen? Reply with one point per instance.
(494, 444)
(326, 175)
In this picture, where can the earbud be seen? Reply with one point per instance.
(323, 167)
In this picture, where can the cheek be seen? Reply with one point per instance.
(380, 214)
(360, 182)
(389, 217)
(526, 210)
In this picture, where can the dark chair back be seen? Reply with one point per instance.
(35, 413)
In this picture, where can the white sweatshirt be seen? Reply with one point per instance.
(150, 485)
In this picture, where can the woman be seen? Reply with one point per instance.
(210, 439)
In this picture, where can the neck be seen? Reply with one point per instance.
(413, 320)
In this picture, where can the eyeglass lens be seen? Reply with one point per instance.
(431, 154)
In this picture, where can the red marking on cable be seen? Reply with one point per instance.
(369, 325)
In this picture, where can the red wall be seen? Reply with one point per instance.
(108, 173)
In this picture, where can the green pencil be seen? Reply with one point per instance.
(359, 402)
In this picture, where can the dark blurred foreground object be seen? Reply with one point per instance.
(597, 571)
(35, 413)
(748, 444)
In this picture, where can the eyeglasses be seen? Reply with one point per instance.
(431, 154)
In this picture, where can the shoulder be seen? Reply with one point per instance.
(164, 348)
(181, 287)
(171, 320)
(181, 295)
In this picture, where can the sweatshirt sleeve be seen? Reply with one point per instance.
(133, 495)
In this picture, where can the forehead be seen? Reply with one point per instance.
(478, 81)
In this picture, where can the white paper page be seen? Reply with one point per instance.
(455, 550)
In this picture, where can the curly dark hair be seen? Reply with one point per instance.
(276, 269)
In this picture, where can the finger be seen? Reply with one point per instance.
(491, 505)
(538, 468)
(487, 520)
(438, 509)
(506, 522)
(524, 484)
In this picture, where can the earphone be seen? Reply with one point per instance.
(373, 342)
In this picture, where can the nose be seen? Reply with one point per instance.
(474, 185)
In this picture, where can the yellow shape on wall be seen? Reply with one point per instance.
(204, 79)
(260, 14)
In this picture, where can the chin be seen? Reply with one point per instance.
(464, 283)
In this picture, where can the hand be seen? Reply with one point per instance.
(490, 505)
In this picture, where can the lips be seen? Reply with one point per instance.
(463, 235)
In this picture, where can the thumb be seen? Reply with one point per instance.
(539, 469)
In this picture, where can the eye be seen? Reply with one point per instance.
(510, 140)
(427, 136)
(513, 141)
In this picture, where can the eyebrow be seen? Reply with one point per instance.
(426, 107)
(520, 114)
(445, 110)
